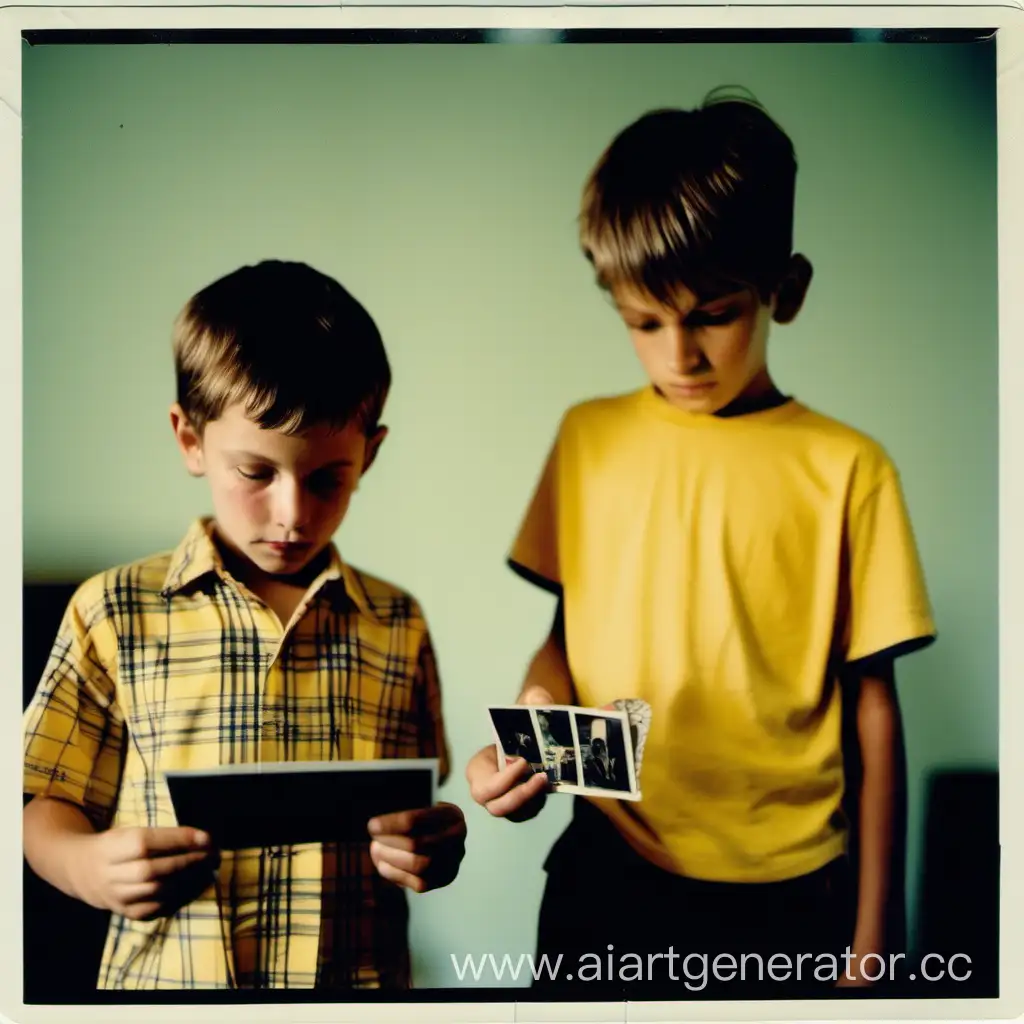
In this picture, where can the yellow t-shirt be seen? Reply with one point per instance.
(723, 569)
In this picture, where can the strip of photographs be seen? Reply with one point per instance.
(585, 751)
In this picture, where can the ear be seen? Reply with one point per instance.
(789, 298)
(189, 442)
(373, 444)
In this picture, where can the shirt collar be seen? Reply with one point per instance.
(197, 556)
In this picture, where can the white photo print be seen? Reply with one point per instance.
(587, 751)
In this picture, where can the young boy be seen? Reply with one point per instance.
(728, 555)
(252, 642)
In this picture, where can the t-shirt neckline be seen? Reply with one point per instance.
(651, 401)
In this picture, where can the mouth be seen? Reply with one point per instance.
(286, 549)
(691, 389)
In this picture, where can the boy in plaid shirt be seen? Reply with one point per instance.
(251, 642)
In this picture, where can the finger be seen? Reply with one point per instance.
(424, 843)
(141, 911)
(417, 822)
(536, 695)
(145, 885)
(522, 802)
(503, 781)
(521, 780)
(404, 860)
(400, 877)
(146, 870)
(181, 889)
(134, 893)
(143, 843)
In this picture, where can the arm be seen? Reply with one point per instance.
(503, 790)
(73, 744)
(140, 873)
(548, 679)
(53, 830)
(878, 731)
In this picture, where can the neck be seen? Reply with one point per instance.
(761, 394)
(256, 579)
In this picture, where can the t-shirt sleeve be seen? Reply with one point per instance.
(73, 729)
(889, 611)
(535, 551)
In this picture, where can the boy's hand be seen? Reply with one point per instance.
(143, 873)
(420, 850)
(511, 791)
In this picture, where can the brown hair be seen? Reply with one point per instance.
(695, 198)
(288, 343)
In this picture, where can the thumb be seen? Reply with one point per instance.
(536, 695)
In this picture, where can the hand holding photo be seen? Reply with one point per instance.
(588, 751)
(251, 806)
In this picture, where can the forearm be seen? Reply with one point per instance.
(549, 668)
(53, 830)
(878, 726)
(549, 671)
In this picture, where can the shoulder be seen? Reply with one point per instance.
(601, 420)
(603, 410)
(120, 590)
(863, 457)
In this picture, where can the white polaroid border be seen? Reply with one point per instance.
(622, 719)
(395, 764)
(1006, 19)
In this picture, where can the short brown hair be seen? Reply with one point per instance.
(288, 343)
(694, 198)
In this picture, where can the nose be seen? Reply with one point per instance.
(685, 354)
(291, 509)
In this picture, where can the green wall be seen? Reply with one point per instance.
(440, 184)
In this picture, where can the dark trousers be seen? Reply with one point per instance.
(608, 914)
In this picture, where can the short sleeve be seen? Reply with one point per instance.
(534, 553)
(432, 740)
(73, 729)
(889, 609)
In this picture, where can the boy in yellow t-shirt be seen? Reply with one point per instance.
(730, 556)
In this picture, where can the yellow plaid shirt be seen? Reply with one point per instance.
(169, 663)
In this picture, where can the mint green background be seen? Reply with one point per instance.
(440, 184)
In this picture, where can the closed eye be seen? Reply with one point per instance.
(702, 318)
(324, 483)
(646, 327)
(254, 474)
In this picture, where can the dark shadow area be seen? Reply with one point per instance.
(959, 897)
(63, 937)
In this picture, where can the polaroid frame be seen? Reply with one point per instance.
(1007, 19)
(621, 718)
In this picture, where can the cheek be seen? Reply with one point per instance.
(738, 347)
(645, 347)
(333, 511)
(239, 501)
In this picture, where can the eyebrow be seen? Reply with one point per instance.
(256, 457)
(704, 301)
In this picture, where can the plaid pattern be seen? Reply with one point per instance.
(169, 663)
